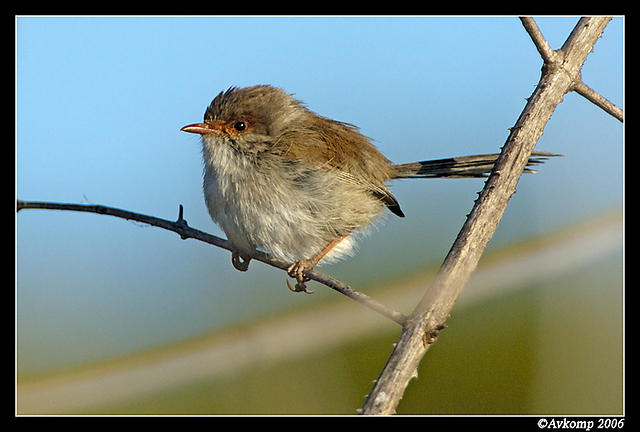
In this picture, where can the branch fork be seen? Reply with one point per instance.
(555, 60)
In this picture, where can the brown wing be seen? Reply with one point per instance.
(324, 142)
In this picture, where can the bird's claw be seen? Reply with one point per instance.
(239, 262)
(298, 271)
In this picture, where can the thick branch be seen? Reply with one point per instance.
(422, 327)
(180, 227)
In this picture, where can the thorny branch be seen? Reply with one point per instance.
(181, 228)
(560, 73)
(551, 58)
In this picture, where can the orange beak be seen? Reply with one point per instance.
(202, 128)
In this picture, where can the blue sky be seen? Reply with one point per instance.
(100, 102)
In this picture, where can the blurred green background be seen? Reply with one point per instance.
(548, 349)
(116, 317)
(545, 340)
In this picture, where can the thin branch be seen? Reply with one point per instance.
(181, 228)
(595, 97)
(423, 326)
(547, 54)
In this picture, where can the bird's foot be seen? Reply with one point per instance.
(240, 262)
(298, 270)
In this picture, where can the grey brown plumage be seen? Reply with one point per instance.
(281, 178)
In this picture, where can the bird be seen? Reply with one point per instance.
(300, 186)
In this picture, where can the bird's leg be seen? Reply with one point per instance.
(299, 268)
(239, 261)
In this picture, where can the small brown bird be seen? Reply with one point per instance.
(280, 178)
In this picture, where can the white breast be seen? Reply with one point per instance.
(258, 208)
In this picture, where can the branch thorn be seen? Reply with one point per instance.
(181, 222)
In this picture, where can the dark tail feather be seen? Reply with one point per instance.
(466, 166)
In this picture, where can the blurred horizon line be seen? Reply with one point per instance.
(233, 349)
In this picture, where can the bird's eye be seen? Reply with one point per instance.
(240, 126)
